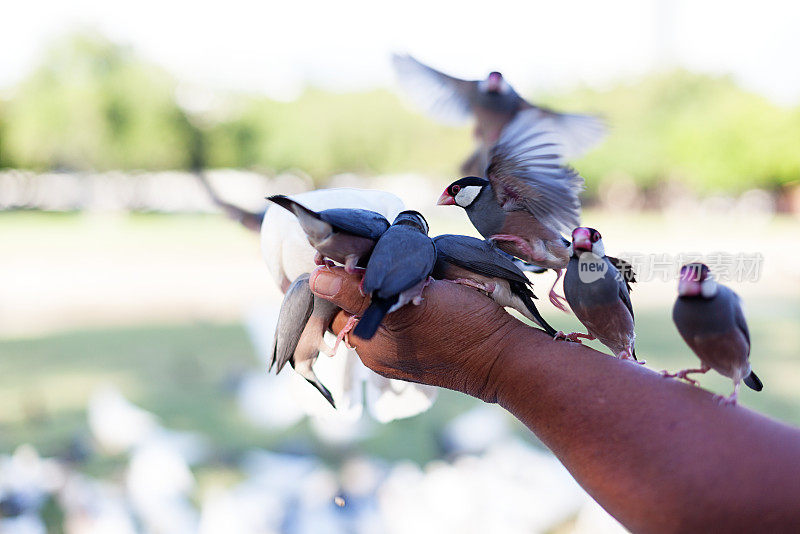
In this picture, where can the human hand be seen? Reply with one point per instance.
(455, 339)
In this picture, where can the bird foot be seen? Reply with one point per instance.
(419, 299)
(351, 265)
(684, 374)
(344, 334)
(319, 259)
(558, 301)
(487, 288)
(531, 256)
(627, 354)
(722, 400)
(573, 336)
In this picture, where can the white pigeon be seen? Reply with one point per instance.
(288, 254)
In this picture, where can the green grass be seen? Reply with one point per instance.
(183, 374)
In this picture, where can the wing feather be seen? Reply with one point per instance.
(446, 98)
(527, 172)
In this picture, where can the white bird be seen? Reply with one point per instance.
(117, 425)
(288, 254)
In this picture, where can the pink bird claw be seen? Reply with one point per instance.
(574, 337)
(722, 400)
(351, 265)
(344, 334)
(558, 301)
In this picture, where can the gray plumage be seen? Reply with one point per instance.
(527, 197)
(493, 103)
(343, 235)
(299, 333)
(481, 265)
(716, 330)
(397, 271)
(598, 292)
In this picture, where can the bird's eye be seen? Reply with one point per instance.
(455, 189)
(595, 237)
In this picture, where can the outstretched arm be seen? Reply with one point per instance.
(658, 454)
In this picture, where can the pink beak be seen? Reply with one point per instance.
(493, 82)
(446, 200)
(688, 288)
(581, 240)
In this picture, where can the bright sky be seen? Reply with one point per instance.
(278, 47)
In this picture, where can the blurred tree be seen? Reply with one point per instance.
(93, 104)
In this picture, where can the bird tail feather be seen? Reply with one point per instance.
(526, 299)
(371, 320)
(753, 382)
(312, 223)
(248, 219)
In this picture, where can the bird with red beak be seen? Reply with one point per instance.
(710, 320)
(526, 198)
(597, 288)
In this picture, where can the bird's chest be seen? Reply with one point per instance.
(490, 122)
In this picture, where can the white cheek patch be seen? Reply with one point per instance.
(598, 249)
(708, 288)
(467, 195)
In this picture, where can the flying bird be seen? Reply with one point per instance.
(298, 340)
(398, 270)
(479, 264)
(343, 235)
(710, 320)
(597, 288)
(527, 197)
(493, 103)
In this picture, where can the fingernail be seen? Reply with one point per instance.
(325, 283)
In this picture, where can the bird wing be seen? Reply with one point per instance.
(478, 256)
(526, 171)
(295, 310)
(625, 270)
(444, 97)
(363, 223)
(402, 258)
(576, 133)
(738, 316)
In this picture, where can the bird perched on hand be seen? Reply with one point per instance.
(397, 271)
(710, 320)
(343, 235)
(493, 103)
(597, 288)
(479, 264)
(527, 197)
(302, 323)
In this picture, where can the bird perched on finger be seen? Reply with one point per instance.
(298, 340)
(493, 103)
(597, 288)
(479, 264)
(526, 198)
(343, 235)
(710, 320)
(398, 270)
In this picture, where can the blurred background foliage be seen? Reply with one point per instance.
(92, 104)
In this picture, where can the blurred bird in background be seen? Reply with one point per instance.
(494, 104)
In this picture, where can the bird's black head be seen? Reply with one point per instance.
(462, 192)
(412, 218)
(695, 281)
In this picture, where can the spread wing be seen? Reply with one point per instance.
(527, 172)
(478, 256)
(738, 316)
(445, 98)
(625, 271)
(364, 223)
(576, 133)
